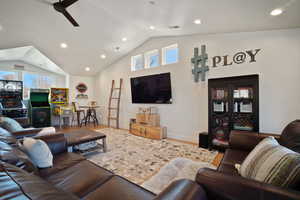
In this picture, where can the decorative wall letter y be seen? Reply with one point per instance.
(200, 59)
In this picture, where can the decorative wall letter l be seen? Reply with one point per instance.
(200, 59)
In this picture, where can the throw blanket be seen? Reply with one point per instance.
(178, 168)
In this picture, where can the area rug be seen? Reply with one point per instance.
(138, 159)
(178, 168)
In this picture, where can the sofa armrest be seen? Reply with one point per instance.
(26, 133)
(56, 142)
(225, 186)
(182, 190)
(31, 132)
(246, 140)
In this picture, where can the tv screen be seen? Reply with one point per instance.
(154, 89)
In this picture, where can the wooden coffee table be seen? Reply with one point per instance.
(81, 136)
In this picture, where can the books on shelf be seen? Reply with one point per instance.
(246, 107)
(219, 107)
(242, 93)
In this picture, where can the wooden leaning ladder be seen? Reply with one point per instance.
(116, 103)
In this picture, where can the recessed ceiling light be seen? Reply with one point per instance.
(276, 12)
(151, 27)
(87, 69)
(63, 45)
(124, 39)
(103, 56)
(197, 21)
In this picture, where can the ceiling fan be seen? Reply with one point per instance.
(62, 6)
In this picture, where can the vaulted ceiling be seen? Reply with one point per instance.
(103, 24)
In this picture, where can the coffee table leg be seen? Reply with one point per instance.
(104, 144)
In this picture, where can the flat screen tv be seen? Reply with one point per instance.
(154, 89)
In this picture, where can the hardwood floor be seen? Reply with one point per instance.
(218, 159)
(89, 126)
(216, 162)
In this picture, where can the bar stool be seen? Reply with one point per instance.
(78, 112)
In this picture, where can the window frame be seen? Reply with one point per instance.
(164, 54)
(147, 59)
(27, 96)
(133, 63)
(12, 71)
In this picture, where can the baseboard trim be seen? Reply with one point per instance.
(182, 141)
(168, 138)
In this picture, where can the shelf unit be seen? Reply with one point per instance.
(233, 105)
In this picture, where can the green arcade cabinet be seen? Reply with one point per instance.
(40, 110)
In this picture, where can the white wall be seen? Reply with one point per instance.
(89, 81)
(278, 66)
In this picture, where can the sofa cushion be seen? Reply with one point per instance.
(10, 124)
(119, 188)
(18, 184)
(272, 163)
(80, 179)
(57, 143)
(61, 162)
(39, 152)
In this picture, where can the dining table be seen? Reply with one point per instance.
(91, 115)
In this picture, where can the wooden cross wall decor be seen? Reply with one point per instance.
(200, 59)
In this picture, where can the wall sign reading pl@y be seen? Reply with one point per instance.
(226, 60)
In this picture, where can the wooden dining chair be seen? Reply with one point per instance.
(78, 112)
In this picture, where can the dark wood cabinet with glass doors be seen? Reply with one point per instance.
(233, 105)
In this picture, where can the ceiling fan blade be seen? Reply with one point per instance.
(67, 3)
(70, 18)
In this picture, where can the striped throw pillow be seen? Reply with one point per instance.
(272, 163)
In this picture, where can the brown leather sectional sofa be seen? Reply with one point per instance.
(225, 182)
(73, 177)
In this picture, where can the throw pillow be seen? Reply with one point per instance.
(39, 152)
(272, 163)
(10, 124)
